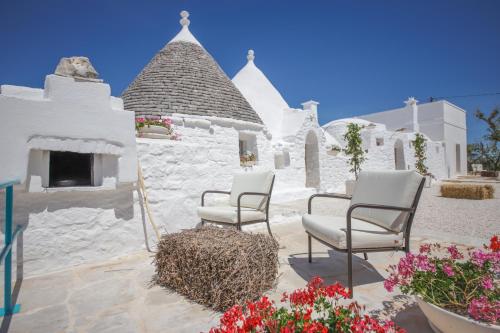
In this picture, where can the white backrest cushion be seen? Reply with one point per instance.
(391, 188)
(251, 182)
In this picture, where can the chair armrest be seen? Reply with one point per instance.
(326, 195)
(372, 206)
(211, 191)
(250, 193)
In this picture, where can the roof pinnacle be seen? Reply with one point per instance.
(250, 55)
(184, 20)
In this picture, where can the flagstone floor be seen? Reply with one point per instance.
(117, 296)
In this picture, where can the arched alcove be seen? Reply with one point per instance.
(399, 155)
(312, 160)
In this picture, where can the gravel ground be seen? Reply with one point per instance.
(462, 221)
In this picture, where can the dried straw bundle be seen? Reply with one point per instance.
(467, 191)
(217, 267)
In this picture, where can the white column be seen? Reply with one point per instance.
(411, 104)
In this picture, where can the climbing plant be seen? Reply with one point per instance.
(420, 146)
(354, 148)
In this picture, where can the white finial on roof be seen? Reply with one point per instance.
(184, 20)
(185, 35)
(250, 55)
(411, 101)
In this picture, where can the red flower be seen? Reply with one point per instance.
(494, 244)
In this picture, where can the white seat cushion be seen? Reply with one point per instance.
(251, 182)
(390, 188)
(333, 230)
(229, 214)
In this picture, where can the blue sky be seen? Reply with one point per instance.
(354, 57)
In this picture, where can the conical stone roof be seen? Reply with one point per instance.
(183, 78)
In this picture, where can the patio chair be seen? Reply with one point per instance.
(248, 201)
(379, 217)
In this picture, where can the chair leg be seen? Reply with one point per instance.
(269, 229)
(309, 248)
(365, 255)
(349, 271)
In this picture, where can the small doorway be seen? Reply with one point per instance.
(399, 155)
(312, 160)
(458, 159)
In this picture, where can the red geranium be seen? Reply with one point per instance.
(314, 309)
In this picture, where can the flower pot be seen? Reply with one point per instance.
(154, 132)
(350, 185)
(248, 164)
(444, 321)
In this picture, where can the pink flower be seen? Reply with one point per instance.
(425, 248)
(390, 282)
(167, 121)
(454, 253)
(482, 309)
(139, 120)
(448, 270)
(424, 264)
(478, 258)
(487, 283)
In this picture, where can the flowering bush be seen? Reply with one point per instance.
(148, 121)
(312, 309)
(467, 284)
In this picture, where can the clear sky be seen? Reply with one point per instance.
(354, 57)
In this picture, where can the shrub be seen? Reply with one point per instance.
(467, 191)
(448, 280)
(354, 147)
(420, 148)
(217, 267)
(315, 308)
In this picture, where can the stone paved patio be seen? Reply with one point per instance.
(116, 296)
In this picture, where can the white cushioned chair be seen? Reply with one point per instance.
(248, 201)
(379, 217)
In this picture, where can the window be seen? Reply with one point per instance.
(282, 159)
(70, 169)
(379, 141)
(249, 154)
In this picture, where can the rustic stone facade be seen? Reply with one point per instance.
(184, 78)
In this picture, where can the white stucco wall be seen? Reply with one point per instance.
(440, 121)
(67, 115)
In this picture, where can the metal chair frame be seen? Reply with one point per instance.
(349, 250)
(240, 223)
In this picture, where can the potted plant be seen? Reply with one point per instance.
(248, 159)
(355, 152)
(155, 127)
(458, 292)
(420, 145)
(316, 308)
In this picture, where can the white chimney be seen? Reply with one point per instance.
(311, 106)
(411, 103)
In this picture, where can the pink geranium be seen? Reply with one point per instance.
(460, 282)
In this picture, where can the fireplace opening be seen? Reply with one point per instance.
(68, 169)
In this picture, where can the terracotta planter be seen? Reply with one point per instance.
(154, 132)
(444, 321)
(350, 185)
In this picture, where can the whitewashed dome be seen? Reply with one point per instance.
(183, 78)
(264, 98)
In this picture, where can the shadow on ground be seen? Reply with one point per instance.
(405, 313)
(334, 268)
